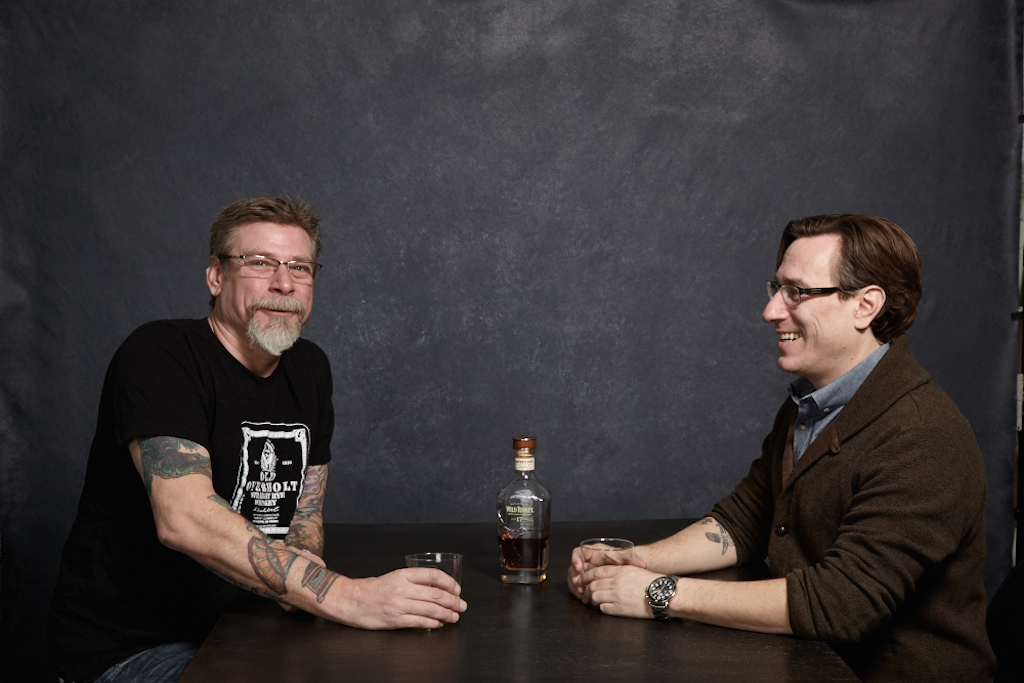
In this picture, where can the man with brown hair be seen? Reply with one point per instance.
(868, 499)
(208, 471)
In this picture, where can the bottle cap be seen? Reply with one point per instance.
(524, 442)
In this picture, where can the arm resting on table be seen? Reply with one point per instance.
(191, 518)
(703, 546)
(748, 605)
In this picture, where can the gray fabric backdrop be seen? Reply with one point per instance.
(548, 217)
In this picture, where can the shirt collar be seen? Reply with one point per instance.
(837, 393)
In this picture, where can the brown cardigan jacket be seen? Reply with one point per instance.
(878, 529)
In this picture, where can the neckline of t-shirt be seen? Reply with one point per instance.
(212, 336)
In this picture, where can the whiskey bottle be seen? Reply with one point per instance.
(524, 517)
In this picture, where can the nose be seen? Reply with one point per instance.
(776, 309)
(282, 281)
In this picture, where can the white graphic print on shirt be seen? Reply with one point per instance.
(270, 474)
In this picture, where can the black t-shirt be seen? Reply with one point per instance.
(120, 591)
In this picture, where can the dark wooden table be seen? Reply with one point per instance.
(510, 633)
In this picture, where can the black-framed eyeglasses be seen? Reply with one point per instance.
(793, 295)
(255, 265)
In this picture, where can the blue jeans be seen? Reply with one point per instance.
(161, 664)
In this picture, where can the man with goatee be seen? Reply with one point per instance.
(208, 471)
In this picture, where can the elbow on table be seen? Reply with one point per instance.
(837, 618)
(835, 634)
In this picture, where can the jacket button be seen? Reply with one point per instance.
(781, 530)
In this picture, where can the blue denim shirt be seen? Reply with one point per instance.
(816, 409)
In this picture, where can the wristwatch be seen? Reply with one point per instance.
(659, 593)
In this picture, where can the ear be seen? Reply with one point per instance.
(870, 302)
(215, 275)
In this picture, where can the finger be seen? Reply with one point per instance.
(419, 621)
(445, 583)
(573, 580)
(428, 576)
(434, 611)
(604, 597)
(588, 592)
(312, 557)
(578, 560)
(595, 573)
(413, 620)
(602, 590)
(596, 558)
(434, 595)
(584, 580)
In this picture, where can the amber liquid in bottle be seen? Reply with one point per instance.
(524, 516)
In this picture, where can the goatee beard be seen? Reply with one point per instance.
(280, 334)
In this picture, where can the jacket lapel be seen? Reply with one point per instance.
(826, 443)
(896, 374)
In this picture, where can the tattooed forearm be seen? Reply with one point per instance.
(257, 590)
(721, 537)
(250, 527)
(318, 580)
(169, 457)
(307, 513)
(309, 506)
(306, 529)
(271, 565)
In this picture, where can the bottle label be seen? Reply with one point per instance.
(524, 463)
(521, 515)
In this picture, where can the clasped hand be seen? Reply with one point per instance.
(614, 581)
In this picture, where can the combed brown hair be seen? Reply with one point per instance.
(874, 252)
(280, 210)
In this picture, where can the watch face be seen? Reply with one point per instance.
(662, 589)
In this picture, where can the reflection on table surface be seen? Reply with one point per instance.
(509, 633)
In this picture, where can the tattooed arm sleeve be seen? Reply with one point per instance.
(222, 540)
(307, 530)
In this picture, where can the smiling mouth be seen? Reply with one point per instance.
(277, 306)
(788, 336)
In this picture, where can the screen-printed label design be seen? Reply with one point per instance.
(270, 474)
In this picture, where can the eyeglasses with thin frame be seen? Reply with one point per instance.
(793, 295)
(256, 265)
